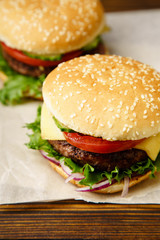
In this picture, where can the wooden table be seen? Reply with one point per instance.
(123, 5)
(77, 219)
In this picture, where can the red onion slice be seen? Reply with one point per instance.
(68, 171)
(125, 187)
(51, 159)
(79, 176)
(97, 186)
(75, 176)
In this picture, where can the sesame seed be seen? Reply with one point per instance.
(152, 123)
(72, 115)
(92, 121)
(109, 124)
(132, 108)
(110, 109)
(145, 111)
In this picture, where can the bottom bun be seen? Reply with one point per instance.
(116, 187)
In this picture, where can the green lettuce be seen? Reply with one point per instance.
(91, 176)
(92, 44)
(43, 57)
(18, 87)
(61, 126)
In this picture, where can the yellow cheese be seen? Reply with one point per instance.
(49, 130)
(151, 146)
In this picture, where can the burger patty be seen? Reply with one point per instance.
(36, 71)
(123, 160)
(25, 69)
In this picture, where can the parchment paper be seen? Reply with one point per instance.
(25, 175)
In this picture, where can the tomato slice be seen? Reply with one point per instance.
(98, 145)
(20, 56)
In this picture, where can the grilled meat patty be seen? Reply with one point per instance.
(25, 69)
(36, 71)
(123, 160)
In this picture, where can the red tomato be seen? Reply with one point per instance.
(20, 56)
(98, 145)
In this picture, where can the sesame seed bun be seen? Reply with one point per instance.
(113, 97)
(116, 187)
(50, 26)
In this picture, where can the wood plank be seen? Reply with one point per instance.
(124, 5)
(79, 220)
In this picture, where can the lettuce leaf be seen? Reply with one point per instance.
(43, 57)
(92, 44)
(61, 126)
(91, 175)
(18, 87)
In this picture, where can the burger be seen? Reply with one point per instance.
(99, 125)
(35, 36)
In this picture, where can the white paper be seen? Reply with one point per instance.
(25, 176)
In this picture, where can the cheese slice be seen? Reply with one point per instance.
(151, 146)
(50, 131)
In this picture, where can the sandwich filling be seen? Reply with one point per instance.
(95, 167)
(26, 71)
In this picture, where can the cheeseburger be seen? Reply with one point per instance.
(37, 35)
(100, 122)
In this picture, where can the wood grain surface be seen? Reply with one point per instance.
(77, 219)
(123, 5)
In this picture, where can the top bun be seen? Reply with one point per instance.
(50, 26)
(113, 97)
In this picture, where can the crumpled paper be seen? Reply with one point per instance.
(25, 176)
